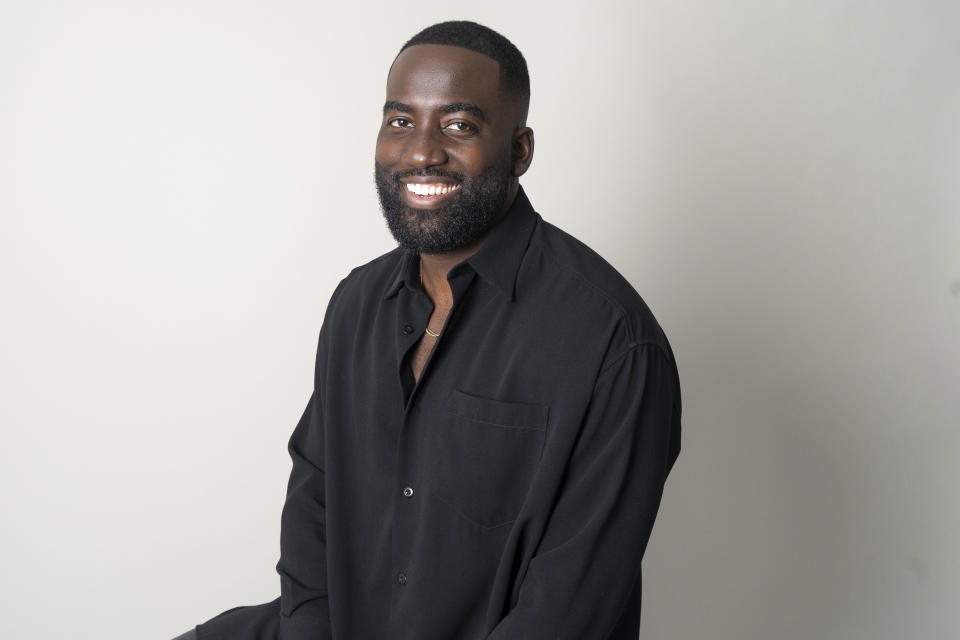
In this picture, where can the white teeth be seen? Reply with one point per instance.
(430, 189)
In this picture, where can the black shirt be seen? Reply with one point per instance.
(510, 493)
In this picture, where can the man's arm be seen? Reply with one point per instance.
(304, 614)
(304, 610)
(588, 560)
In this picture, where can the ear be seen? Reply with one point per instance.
(521, 150)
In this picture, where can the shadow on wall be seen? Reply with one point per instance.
(811, 244)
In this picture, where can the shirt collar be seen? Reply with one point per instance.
(497, 260)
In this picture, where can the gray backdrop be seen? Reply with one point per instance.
(183, 183)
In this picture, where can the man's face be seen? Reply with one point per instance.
(444, 169)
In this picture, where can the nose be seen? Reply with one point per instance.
(425, 148)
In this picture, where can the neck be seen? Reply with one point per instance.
(433, 271)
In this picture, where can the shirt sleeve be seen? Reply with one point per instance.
(587, 565)
(304, 609)
(304, 612)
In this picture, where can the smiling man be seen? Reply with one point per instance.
(495, 409)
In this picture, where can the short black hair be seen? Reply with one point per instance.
(476, 37)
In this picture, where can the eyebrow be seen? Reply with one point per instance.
(465, 107)
(391, 105)
(456, 107)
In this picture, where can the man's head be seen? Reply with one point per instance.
(453, 140)
(514, 78)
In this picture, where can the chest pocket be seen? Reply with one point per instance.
(488, 454)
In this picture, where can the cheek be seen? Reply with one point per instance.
(482, 163)
(387, 150)
(472, 161)
(494, 152)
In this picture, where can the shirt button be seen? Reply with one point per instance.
(408, 329)
(402, 578)
(408, 492)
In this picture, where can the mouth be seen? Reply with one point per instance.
(425, 195)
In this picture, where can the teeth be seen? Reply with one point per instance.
(431, 189)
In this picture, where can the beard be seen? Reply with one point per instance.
(476, 207)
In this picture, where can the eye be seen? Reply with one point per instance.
(400, 123)
(459, 126)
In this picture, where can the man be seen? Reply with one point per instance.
(495, 409)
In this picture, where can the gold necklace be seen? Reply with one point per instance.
(427, 330)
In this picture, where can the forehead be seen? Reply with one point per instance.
(434, 73)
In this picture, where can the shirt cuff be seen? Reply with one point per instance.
(304, 628)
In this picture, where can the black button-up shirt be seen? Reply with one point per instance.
(510, 493)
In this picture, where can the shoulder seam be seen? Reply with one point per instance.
(379, 258)
(624, 316)
(633, 347)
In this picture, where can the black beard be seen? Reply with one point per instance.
(475, 209)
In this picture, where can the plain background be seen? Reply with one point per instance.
(183, 183)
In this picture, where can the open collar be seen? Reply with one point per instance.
(498, 259)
